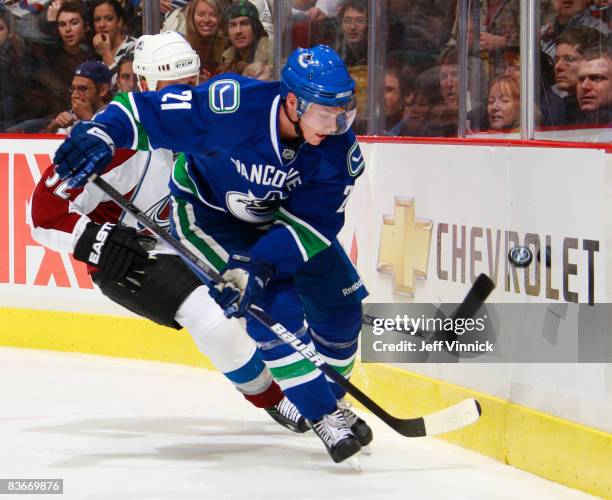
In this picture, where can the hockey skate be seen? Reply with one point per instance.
(286, 414)
(360, 428)
(337, 436)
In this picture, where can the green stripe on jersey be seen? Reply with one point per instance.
(190, 235)
(312, 242)
(143, 139)
(293, 370)
(181, 174)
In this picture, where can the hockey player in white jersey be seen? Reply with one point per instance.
(161, 288)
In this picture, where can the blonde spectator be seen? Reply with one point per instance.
(504, 106)
(259, 70)
(203, 21)
(110, 41)
(249, 40)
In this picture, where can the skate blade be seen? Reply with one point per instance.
(366, 450)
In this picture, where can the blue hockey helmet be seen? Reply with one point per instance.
(318, 76)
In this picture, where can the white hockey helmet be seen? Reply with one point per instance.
(165, 56)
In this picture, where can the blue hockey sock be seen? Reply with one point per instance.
(336, 340)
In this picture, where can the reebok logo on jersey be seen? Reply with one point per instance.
(101, 236)
(353, 288)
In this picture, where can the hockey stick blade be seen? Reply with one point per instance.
(413, 427)
(453, 417)
(448, 419)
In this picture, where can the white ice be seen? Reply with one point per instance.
(125, 429)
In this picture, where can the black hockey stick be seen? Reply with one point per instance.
(448, 419)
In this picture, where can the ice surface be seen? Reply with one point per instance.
(125, 429)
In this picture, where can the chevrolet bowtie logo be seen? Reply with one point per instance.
(404, 246)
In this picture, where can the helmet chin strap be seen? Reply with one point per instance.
(296, 123)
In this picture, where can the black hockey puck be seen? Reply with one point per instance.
(520, 256)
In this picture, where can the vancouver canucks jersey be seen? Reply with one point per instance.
(234, 161)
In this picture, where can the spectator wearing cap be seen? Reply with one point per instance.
(90, 91)
(265, 9)
(248, 38)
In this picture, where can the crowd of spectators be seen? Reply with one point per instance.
(56, 55)
(43, 42)
(421, 79)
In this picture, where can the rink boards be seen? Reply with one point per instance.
(552, 420)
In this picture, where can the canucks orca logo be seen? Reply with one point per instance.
(249, 208)
(305, 59)
(355, 160)
(159, 213)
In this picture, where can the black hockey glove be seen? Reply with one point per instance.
(119, 252)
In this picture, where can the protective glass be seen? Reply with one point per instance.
(326, 120)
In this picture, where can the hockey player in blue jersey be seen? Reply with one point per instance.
(259, 194)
